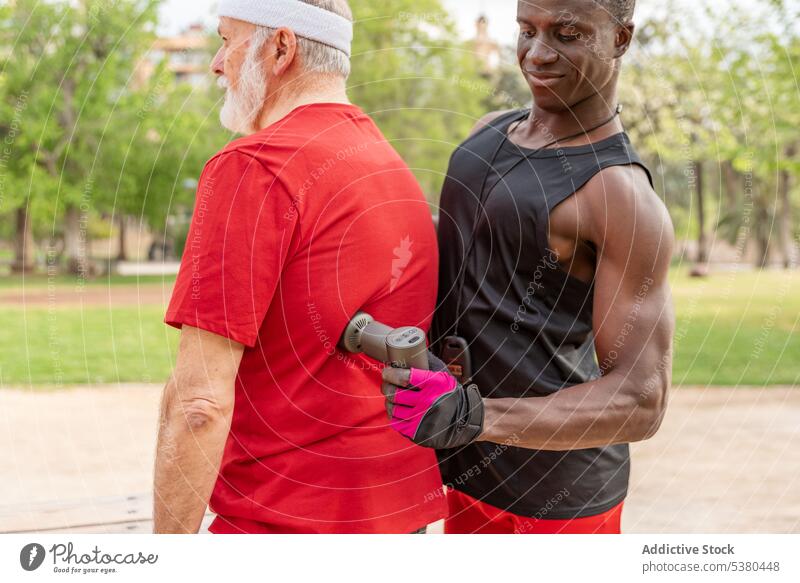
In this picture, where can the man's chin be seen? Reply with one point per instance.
(228, 125)
(546, 100)
(233, 122)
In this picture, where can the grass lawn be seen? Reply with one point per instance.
(737, 329)
(732, 329)
(96, 345)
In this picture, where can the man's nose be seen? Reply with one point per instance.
(218, 62)
(541, 53)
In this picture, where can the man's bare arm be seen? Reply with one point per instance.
(196, 412)
(633, 329)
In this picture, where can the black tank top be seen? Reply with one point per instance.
(528, 322)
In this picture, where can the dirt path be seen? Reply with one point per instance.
(725, 460)
(62, 296)
(76, 443)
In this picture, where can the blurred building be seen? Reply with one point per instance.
(486, 49)
(187, 56)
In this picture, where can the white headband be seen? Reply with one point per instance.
(305, 20)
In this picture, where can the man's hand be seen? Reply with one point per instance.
(431, 408)
(196, 412)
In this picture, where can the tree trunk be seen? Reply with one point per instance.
(762, 259)
(732, 188)
(702, 241)
(23, 242)
(762, 235)
(122, 255)
(75, 241)
(785, 219)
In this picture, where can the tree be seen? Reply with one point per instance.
(73, 61)
(166, 132)
(720, 105)
(418, 81)
(92, 136)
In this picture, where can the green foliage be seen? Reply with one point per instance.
(91, 132)
(68, 64)
(726, 96)
(417, 80)
(81, 128)
(88, 130)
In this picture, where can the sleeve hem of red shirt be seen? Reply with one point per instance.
(179, 319)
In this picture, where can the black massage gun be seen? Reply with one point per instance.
(400, 347)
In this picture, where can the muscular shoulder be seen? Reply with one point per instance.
(624, 211)
(487, 119)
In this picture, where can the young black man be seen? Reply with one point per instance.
(554, 309)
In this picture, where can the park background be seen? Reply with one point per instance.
(108, 112)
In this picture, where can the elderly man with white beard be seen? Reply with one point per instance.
(297, 226)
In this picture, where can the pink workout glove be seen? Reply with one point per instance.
(431, 408)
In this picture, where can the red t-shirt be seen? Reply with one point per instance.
(295, 229)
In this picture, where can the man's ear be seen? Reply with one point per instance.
(284, 43)
(623, 38)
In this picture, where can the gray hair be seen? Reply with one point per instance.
(315, 56)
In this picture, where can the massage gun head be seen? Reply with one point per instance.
(364, 334)
(351, 338)
(404, 347)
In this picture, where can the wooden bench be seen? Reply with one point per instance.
(111, 515)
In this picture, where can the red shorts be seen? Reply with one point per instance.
(469, 516)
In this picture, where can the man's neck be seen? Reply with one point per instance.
(286, 99)
(543, 127)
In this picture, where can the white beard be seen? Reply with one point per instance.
(244, 102)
